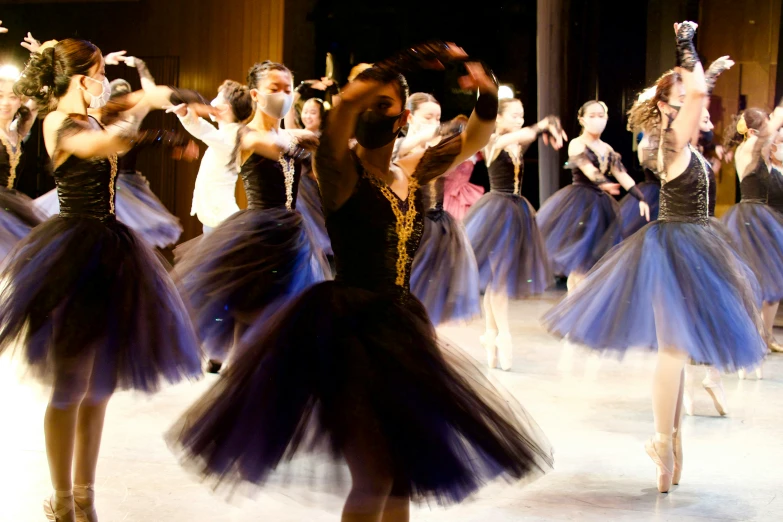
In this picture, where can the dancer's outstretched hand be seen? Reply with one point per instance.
(2, 29)
(30, 43)
(610, 188)
(555, 136)
(477, 78)
(114, 58)
(644, 210)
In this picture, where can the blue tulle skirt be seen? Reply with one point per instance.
(757, 233)
(676, 283)
(308, 203)
(18, 215)
(136, 206)
(630, 219)
(445, 274)
(509, 249)
(91, 308)
(579, 224)
(245, 269)
(346, 370)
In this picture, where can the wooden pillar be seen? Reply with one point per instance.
(549, 52)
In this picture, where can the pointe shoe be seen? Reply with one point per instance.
(488, 342)
(774, 346)
(505, 354)
(743, 373)
(662, 454)
(59, 513)
(677, 448)
(84, 504)
(717, 394)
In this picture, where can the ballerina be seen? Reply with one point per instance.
(89, 305)
(137, 205)
(263, 256)
(675, 286)
(502, 227)
(353, 365)
(580, 222)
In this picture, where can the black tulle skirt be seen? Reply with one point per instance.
(246, 268)
(631, 220)
(445, 274)
(757, 233)
(87, 301)
(509, 249)
(18, 215)
(308, 203)
(342, 370)
(579, 224)
(677, 283)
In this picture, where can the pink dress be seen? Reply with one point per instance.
(459, 193)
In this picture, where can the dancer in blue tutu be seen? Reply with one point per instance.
(756, 228)
(18, 213)
(353, 366)
(88, 304)
(502, 227)
(676, 286)
(263, 256)
(137, 205)
(444, 275)
(580, 222)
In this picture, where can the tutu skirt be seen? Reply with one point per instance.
(345, 371)
(579, 224)
(308, 203)
(757, 233)
(87, 301)
(678, 283)
(459, 194)
(630, 219)
(18, 215)
(136, 206)
(249, 265)
(445, 274)
(509, 248)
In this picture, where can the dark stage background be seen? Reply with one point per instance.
(607, 52)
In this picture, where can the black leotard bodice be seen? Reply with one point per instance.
(687, 198)
(503, 176)
(754, 186)
(775, 189)
(269, 184)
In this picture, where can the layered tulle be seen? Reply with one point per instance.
(136, 206)
(509, 249)
(679, 284)
(631, 219)
(89, 305)
(579, 224)
(459, 193)
(757, 233)
(445, 274)
(249, 266)
(18, 215)
(308, 203)
(345, 370)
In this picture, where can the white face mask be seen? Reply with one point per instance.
(595, 125)
(779, 153)
(97, 102)
(276, 104)
(426, 128)
(214, 103)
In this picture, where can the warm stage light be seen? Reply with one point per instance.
(9, 72)
(505, 91)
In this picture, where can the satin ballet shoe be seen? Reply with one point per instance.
(677, 448)
(59, 513)
(662, 454)
(775, 347)
(488, 342)
(84, 504)
(743, 373)
(717, 394)
(505, 354)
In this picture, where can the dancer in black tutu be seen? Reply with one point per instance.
(18, 213)
(580, 222)
(137, 205)
(88, 304)
(308, 201)
(502, 227)
(676, 286)
(444, 275)
(353, 366)
(259, 258)
(775, 196)
(756, 229)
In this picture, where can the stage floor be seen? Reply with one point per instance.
(596, 413)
